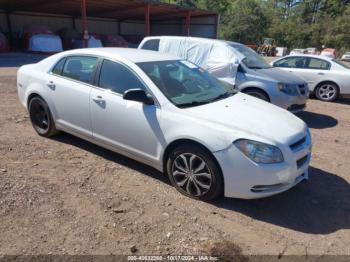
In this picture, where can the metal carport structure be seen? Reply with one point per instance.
(149, 12)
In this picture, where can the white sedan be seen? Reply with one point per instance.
(327, 78)
(346, 57)
(169, 114)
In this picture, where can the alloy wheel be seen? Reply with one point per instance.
(191, 174)
(327, 92)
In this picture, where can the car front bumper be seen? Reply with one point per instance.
(246, 179)
(293, 104)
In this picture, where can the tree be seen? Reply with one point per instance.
(240, 20)
(293, 23)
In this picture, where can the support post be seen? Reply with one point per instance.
(147, 20)
(188, 24)
(217, 21)
(85, 23)
(9, 28)
(119, 27)
(73, 23)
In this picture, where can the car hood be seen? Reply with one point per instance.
(244, 116)
(281, 76)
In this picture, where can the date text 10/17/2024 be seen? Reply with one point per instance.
(172, 258)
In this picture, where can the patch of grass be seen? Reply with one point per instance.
(225, 251)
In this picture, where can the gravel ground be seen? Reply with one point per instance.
(67, 196)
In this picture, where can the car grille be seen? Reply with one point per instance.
(302, 161)
(266, 188)
(296, 107)
(302, 89)
(295, 146)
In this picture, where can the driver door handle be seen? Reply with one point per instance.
(320, 73)
(98, 98)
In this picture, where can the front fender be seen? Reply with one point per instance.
(255, 84)
(213, 136)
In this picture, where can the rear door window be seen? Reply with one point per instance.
(316, 63)
(152, 44)
(80, 68)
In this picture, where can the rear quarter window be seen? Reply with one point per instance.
(57, 69)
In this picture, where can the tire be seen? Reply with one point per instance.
(257, 93)
(207, 185)
(327, 91)
(41, 118)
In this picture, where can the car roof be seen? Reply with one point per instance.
(198, 39)
(315, 56)
(131, 54)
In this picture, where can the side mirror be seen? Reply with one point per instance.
(138, 95)
(240, 69)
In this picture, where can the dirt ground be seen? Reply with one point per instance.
(67, 196)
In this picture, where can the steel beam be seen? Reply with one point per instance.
(188, 23)
(147, 20)
(85, 23)
(109, 12)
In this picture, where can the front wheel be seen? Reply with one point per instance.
(194, 172)
(327, 92)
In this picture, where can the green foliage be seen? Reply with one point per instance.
(293, 23)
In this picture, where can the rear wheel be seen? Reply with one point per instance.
(257, 93)
(327, 92)
(41, 118)
(194, 172)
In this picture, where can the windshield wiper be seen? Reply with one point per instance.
(219, 97)
(259, 67)
(193, 103)
(198, 103)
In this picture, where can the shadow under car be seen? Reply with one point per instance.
(320, 205)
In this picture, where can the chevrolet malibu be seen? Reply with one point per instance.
(327, 78)
(169, 114)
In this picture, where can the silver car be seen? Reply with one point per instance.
(327, 78)
(237, 65)
(346, 57)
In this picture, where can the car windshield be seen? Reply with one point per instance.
(252, 60)
(341, 63)
(184, 83)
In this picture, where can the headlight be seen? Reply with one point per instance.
(287, 89)
(309, 135)
(259, 152)
(307, 89)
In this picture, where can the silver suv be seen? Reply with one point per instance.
(237, 65)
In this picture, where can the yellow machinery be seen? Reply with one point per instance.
(268, 47)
